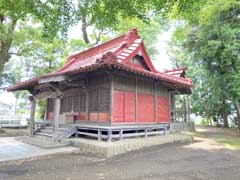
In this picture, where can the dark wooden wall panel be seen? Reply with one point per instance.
(99, 98)
(161, 91)
(124, 83)
(145, 87)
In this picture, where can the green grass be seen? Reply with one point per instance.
(231, 142)
(1, 131)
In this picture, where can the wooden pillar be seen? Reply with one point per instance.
(136, 100)
(155, 102)
(87, 103)
(173, 112)
(184, 110)
(111, 105)
(188, 110)
(45, 114)
(32, 115)
(57, 105)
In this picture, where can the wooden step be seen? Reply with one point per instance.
(44, 134)
(46, 131)
(50, 128)
(62, 129)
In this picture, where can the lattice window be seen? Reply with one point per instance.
(63, 105)
(93, 101)
(69, 103)
(99, 100)
(82, 102)
(103, 100)
(76, 103)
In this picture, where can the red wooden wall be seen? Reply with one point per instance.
(162, 114)
(149, 109)
(145, 108)
(123, 107)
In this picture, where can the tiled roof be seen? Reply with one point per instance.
(116, 53)
(178, 72)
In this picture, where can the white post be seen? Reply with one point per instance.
(56, 114)
(32, 115)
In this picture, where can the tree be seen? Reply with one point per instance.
(54, 15)
(212, 42)
(149, 31)
(104, 16)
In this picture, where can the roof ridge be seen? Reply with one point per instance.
(127, 39)
(98, 47)
(72, 58)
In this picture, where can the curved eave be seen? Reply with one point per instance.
(24, 85)
(178, 82)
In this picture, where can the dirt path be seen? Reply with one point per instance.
(206, 158)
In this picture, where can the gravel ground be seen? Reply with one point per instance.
(203, 159)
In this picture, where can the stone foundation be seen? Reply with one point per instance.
(119, 147)
(182, 126)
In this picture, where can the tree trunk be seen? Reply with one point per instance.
(225, 120)
(84, 30)
(237, 106)
(6, 43)
(224, 111)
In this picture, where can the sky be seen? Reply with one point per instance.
(162, 60)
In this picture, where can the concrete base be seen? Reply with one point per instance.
(41, 142)
(182, 126)
(109, 149)
(12, 151)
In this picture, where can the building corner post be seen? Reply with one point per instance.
(32, 115)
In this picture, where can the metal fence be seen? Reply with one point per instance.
(179, 116)
(13, 121)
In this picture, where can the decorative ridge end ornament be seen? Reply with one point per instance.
(131, 36)
(109, 56)
(190, 81)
